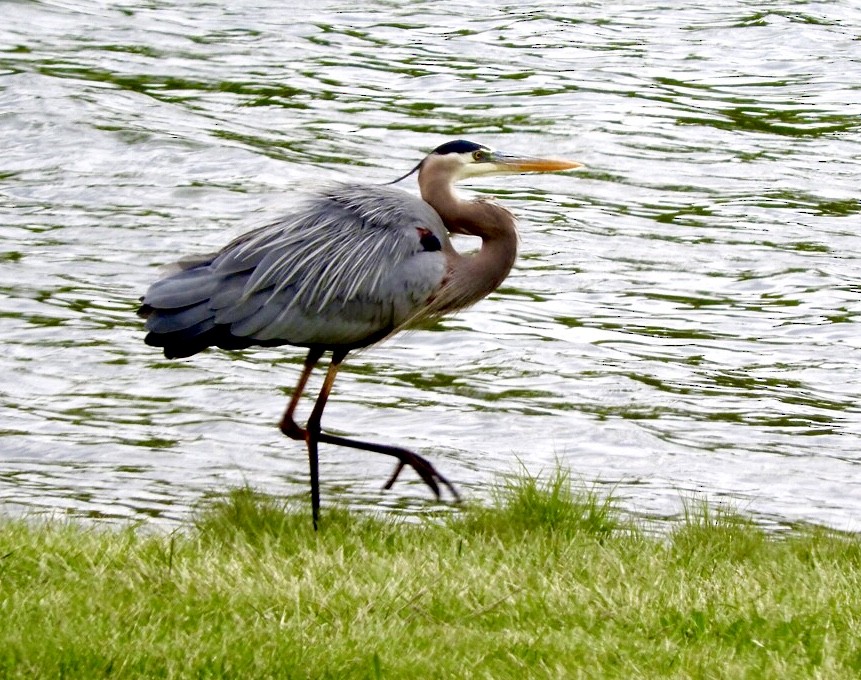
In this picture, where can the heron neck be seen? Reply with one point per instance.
(473, 276)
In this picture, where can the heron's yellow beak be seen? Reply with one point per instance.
(505, 163)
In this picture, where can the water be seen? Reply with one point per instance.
(682, 321)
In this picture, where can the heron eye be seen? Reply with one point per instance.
(479, 155)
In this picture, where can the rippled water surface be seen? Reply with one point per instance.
(683, 319)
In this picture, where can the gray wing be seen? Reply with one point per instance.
(346, 269)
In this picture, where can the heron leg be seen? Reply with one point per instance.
(422, 466)
(405, 457)
(289, 427)
(312, 430)
(313, 435)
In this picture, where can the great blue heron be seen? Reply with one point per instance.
(352, 266)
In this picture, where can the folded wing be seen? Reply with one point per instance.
(350, 266)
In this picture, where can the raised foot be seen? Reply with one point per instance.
(422, 466)
(425, 470)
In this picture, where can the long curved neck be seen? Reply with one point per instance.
(472, 277)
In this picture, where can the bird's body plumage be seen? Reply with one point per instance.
(310, 278)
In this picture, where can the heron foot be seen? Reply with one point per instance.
(427, 472)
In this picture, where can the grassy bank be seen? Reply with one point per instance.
(541, 584)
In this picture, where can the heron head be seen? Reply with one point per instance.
(462, 159)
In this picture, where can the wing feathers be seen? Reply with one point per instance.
(182, 289)
(343, 270)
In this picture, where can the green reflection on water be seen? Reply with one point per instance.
(797, 123)
(175, 88)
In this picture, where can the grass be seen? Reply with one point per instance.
(544, 582)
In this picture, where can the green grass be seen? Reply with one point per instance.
(544, 582)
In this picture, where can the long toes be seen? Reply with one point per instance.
(437, 479)
(425, 471)
(428, 478)
(451, 488)
(394, 476)
(448, 485)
